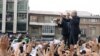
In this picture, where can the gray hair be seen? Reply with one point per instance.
(74, 13)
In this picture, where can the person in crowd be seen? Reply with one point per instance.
(74, 28)
(21, 37)
(34, 48)
(12, 37)
(26, 38)
(64, 24)
(99, 39)
(4, 45)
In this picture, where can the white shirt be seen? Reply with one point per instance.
(33, 52)
(15, 46)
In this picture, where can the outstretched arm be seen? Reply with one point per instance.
(4, 44)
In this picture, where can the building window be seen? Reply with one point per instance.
(10, 6)
(93, 20)
(48, 29)
(0, 17)
(0, 25)
(98, 20)
(9, 17)
(83, 32)
(22, 5)
(84, 20)
(21, 26)
(9, 26)
(35, 31)
(1, 6)
(40, 18)
(33, 18)
(48, 19)
(22, 17)
(93, 31)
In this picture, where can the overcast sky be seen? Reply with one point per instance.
(92, 6)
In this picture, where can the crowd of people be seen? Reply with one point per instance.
(47, 48)
(70, 45)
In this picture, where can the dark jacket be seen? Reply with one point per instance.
(75, 29)
(65, 26)
(99, 39)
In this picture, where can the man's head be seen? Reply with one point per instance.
(74, 13)
(67, 15)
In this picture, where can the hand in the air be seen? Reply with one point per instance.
(29, 47)
(4, 44)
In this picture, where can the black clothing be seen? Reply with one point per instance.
(64, 25)
(65, 29)
(66, 38)
(99, 39)
(75, 25)
(74, 30)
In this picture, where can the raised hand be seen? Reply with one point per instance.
(4, 44)
(29, 47)
(17, 50)
(47, 52)
(10, 52)
(39, 52)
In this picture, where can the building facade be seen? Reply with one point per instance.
(41, 24)
(90, 26)
(13, 16)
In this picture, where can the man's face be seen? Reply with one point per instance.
(74, 13)
(67, 15)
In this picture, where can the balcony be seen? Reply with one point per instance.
(48, 33)
(90, 23)
(38, 23)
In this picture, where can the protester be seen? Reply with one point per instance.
(34, 48)
(64, 24)
(70, 28)
(74, 29)
(99, 39)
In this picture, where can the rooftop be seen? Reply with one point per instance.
(44, 12)
(80, 13)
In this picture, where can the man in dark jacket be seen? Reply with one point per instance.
(65, 27)
(74, 28)
(99, 39)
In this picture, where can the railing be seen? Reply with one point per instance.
(38, 23)
(48, 33)
(90, 23)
